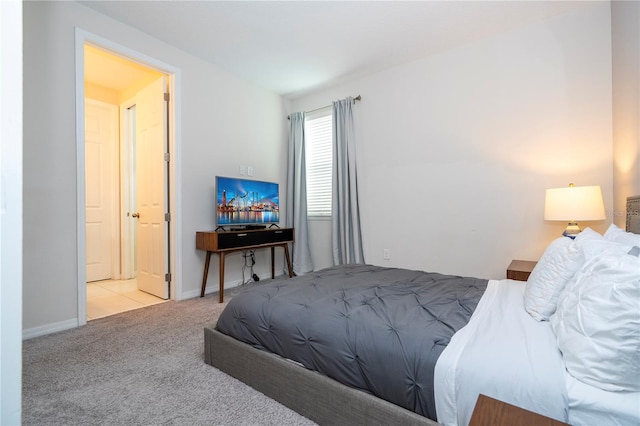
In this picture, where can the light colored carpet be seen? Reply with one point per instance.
(142, 367)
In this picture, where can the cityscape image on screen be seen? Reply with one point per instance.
(246, 202)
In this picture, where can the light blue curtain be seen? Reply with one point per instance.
(345, 225)
(296, 207)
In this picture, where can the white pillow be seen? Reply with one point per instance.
(597, 322)
(591, 244)
(618, 235)
(557, 265)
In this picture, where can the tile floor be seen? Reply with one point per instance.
(110, 297)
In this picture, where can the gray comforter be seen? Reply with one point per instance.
(377, 329)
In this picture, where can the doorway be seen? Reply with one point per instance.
(120, 251)
(114, 175)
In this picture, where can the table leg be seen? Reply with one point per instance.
(273, 270)
(205, 273)
(221, 298)
(286, 255)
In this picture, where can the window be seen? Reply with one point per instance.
(319, 159)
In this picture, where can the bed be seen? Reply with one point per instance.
(360, 344)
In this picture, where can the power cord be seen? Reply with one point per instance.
(249, 261)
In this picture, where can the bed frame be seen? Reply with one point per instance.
(313, 395)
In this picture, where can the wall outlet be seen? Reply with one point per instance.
(249, 170)
(386, 254)
(241, 170)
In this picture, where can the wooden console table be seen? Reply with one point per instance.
(223, 242)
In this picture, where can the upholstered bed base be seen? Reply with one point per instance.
(317, 397)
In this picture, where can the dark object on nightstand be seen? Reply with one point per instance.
(520, 270)
(491, 412)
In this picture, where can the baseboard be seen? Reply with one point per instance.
(227, 285)
(210, 289)
(42, 330)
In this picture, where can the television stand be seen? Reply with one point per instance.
(224, 242)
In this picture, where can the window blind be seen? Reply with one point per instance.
(319, 158)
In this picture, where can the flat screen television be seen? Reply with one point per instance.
(246, 203)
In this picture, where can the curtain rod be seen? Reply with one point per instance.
(357, 98)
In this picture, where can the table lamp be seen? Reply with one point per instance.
(572, 204)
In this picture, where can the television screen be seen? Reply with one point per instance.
(245, 202)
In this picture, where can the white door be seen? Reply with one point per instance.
(101, 144)
(151, 187)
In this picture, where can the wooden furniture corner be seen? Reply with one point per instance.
(520, 270)
(492, 412)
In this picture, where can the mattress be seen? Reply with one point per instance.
(505, 354)
(377, 329)
(589, 405)
(502, 353)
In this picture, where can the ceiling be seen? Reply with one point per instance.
(294, 47)
(114, 72)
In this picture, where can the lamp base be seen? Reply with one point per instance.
(572, 230)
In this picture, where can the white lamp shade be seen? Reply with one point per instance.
(574, 203)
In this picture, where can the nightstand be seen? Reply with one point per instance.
(491, 412)
(520, 270)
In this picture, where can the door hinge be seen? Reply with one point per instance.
(167, 97)
(167, 217)
(167, 277)
(167, 156)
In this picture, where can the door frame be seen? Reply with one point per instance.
(83, 37)
(127, 230)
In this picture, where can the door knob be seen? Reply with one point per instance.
(135, 215)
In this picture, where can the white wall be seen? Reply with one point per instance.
(625, 22)
(10, 211)
(456, 150)
(216, 137)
